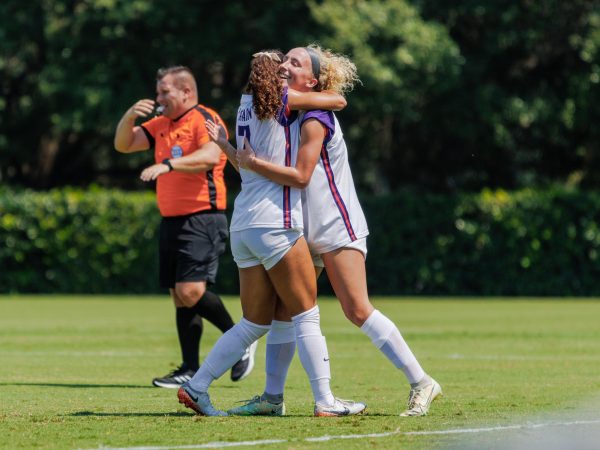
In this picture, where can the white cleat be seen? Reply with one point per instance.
(198, 401)
(340, 408)
(419, 399)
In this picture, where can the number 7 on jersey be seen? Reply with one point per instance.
(243, 131)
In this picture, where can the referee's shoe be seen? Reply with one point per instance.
(175, 378)
(183, 373)
(244, 366)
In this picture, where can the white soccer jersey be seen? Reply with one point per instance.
(262, 203)
(333, 217)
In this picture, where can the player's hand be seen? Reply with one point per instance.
(142, 108)
(153, 172)
(216, 133)
(246, 156)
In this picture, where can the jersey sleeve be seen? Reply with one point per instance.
(325, 117)
(149, 128)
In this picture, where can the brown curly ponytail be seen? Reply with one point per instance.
(264, 83)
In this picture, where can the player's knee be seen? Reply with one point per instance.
(189, 295)
(178, 302)
(357, 316)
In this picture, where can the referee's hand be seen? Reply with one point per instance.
(142, 108)
(153, 172)
(217, 133)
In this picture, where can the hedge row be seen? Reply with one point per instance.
(529, 242)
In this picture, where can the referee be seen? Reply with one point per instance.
(191, 197)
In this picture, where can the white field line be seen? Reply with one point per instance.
(73, 353)
(475, 357)
(522, 357)
(128, 354)
(362, 436)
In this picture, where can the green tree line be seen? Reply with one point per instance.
(455, 95)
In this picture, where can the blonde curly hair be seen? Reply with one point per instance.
(338, 73)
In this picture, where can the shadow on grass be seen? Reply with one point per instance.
(287, 417)
(79, 386)
(124, 414)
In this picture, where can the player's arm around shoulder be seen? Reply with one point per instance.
(130, 138)
(328, 100)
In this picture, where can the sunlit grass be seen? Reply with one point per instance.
(75, 372)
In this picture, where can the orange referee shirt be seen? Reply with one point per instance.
(180, 194)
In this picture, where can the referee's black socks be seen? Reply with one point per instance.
(211, 307)
(189, 331)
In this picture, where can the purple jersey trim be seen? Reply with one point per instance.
(287, 208)
(326, 119)
(337, 198)
(285, 116)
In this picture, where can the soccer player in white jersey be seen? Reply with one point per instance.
(269, 248)
(335, 229)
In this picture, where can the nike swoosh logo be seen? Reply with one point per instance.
(195, 399)
(325, 359)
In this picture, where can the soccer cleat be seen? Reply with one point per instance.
(258, 407)
(340, 408)
(419, 399)
(198, 401)
(174, 379)
(244, 366)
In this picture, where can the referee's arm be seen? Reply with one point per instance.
(128, 137)
(201, 160)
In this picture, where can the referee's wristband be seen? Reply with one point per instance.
(167, 163)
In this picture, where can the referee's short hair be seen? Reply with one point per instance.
(182, 75)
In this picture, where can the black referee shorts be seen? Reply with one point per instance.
(190, 246)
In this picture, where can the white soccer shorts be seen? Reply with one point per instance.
(359, 244)
(265, 246)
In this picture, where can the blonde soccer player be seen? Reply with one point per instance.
(335, 230)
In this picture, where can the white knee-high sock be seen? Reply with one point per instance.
(312, 350)
(387, 338)
(226, 352)
(281, 345)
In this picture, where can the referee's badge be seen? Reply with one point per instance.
(176, 151)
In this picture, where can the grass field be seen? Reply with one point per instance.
(75, 372)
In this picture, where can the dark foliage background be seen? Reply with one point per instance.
(455, 96)
(474, 137)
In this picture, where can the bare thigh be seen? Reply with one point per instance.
(257, 295)
(294, 279)
(348, 276)
(281, 312)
